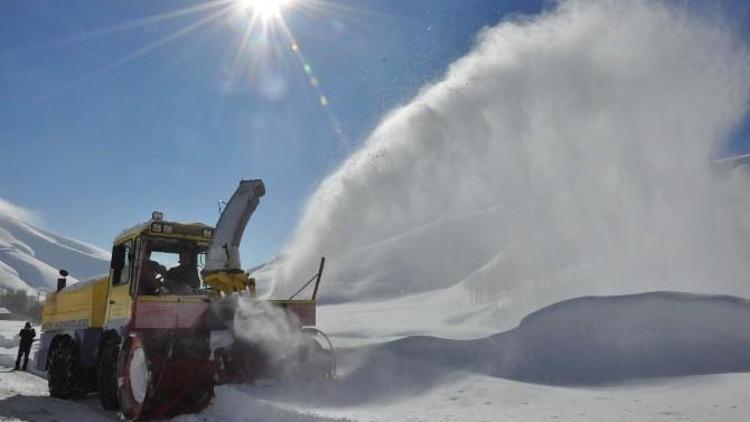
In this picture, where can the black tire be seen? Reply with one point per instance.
(65, 377)
(106, 370)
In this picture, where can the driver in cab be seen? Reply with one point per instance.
(151, 275)
(184, 277)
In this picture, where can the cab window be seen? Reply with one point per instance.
(171, 266)
(122, 263)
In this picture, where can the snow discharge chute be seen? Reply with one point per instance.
(223, 268)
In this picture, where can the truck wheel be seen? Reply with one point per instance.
(133, 377)
(65, 377)
(106, 370)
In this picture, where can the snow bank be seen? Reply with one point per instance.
(581, 138)
(583, 341)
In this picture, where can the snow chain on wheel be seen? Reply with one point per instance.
(107, 373)
(65, 376)
(133, 377)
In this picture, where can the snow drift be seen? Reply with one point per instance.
(586, 341)
(31, 257)
(582, 341)
(599, 340)
(579, 140)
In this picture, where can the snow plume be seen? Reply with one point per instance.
(275, 332)
(576, 142)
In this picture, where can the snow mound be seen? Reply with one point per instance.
(587, 340)
(31, 257)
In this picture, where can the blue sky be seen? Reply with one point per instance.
(108, 112)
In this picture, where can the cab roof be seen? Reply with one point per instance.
(167, 229)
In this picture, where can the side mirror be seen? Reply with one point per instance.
(62, 281)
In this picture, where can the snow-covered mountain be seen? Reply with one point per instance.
(31, 257)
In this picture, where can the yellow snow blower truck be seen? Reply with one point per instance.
(153, 341)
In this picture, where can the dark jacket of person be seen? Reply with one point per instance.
(27, 337)
(185, 274)
(149, 284)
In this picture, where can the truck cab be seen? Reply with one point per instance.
(154, 260)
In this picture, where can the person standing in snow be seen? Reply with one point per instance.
(27, 335)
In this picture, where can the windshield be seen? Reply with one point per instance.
(172, 266)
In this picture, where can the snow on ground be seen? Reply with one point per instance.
(659, 356)
(24, 397)
(471, 397)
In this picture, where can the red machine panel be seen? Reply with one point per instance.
(171, 314)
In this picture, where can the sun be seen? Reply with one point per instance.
(265, 9)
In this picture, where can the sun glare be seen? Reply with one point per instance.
(265, 9)
(260, 59)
